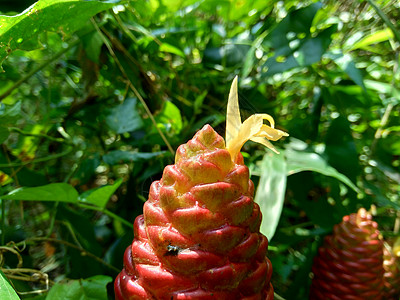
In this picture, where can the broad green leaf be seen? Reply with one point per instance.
(340, 148)
(373, 38)
(86, 170)
(124, 117)
(270, 193)
(6, 290)
(296, 24)
(299, 161)
(93, 288)
(92, 43)
(239, 10)
(250, 56)
(170, 118)
(171, 49)
(346, 63)
(293, 44)
(65, 16)
(101, 195)
(119, 156)
(61, 192)
(227, 55)
(171, 5)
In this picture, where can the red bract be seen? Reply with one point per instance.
(198, 237)
(391, 277)
(349, 265)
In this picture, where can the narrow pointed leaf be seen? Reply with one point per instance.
(61, 192)
(270, 193)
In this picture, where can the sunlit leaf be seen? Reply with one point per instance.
(293, 44)
(124, 117)
(100, 196)
(170, 118)
(299, 161)
(172, 5)
(373, 38)
(64, 16)
(378, 86)
(61, 192)
(93, 288)
(6, 290)
(171, 49)
(270, 193)
(346, 63)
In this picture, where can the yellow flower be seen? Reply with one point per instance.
(253, 128)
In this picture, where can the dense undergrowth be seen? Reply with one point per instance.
(96, 97)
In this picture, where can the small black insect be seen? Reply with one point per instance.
(172, 250)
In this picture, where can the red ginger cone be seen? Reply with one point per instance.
(198, 237)
(349, 265)
(391, 277)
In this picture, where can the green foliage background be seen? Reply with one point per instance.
(97, 95)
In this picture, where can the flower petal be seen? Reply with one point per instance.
(268, 118)
(250, 127)
(265, 142)
(271, 133)
(233, 120)
(253, 128)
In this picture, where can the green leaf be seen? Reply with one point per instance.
(340, 148)
(299, 161)
(101, 195)
(86, 170)
(119, 156)
(65, 16)
(6, 290)
(93, 288)
(346, 63)
(61, 192)
(227, 55)
(170, 118)
(124, 117)
(373, 38)
(250, 56)
(270, 193)
(92, 44)
(378, 86)
(171, 49)
(293, 43)
(171, 5)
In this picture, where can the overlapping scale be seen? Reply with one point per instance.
(349, 264)
(198, 237)
(391, 277)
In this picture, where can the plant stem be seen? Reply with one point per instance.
(35, 70)
(135, 91)
(38, 135)
(43, 159)
(53, 218)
